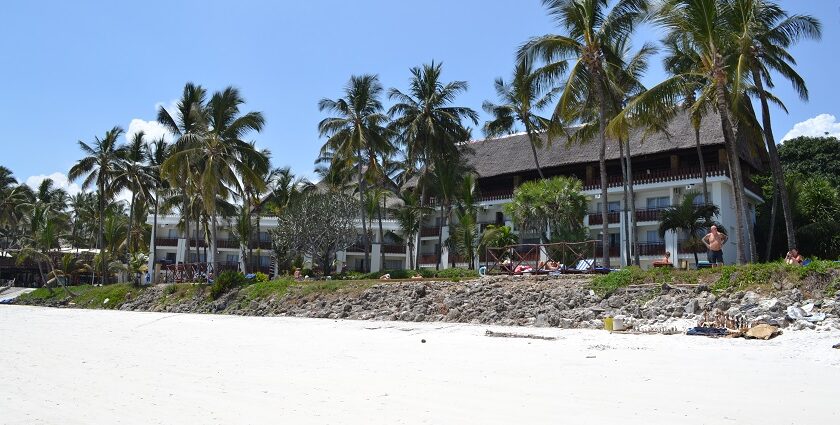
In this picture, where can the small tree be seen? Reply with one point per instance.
(318, 225)
(553, 207)
(690, 219)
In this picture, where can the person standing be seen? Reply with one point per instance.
(714, 241)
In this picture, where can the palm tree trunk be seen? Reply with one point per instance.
(381, 236)
(130, 224)
(420, 228)
(702, 164)
(735, 173)
(259, 240)
(536, 158)
(153, 241)
(101, 236)
(775, 164)
(365, 239)
(440, 239)
(625, 225)
(212, 254)
(187, 235)
(634, 229)
(771, 232)
(602, 162)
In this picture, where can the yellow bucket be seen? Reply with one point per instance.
(608, 324)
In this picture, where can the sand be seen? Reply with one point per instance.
(80, 367)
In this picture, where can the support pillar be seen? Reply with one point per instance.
(375, 257)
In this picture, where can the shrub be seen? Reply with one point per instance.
(260, 277)
(606, 284)
(456, 273)
(226, 281)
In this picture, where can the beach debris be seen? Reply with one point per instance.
(707, 331)
(837, 346)
(515, 335)
(762, 331)
(423, 341)
(106, 301)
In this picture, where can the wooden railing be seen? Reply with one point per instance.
(597, 218)
(220, 243)
(652, 248)
(428, 258)
(429, 231)
(393, 249)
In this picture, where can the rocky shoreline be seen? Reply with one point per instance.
(565, 302)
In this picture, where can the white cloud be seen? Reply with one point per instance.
(60, 180)
(153, 129)
(819, 126)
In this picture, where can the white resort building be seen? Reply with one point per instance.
(665, 167)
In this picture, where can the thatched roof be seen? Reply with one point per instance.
(512, 154)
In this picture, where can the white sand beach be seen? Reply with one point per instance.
(83, 367)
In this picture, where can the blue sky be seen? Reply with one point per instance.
(72, 70)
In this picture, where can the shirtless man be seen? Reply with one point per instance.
(714, 241)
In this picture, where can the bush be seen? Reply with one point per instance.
(226, 281)
(456, 273)
(606, 284)
(260, 277)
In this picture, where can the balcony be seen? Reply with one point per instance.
(658, 176)
(429, 231)
(614, 250)
(428, 259)
(393, 249)
(220, 243)
(651, 248)
(357, 247)
(596, 218)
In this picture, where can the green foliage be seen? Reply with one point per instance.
(498, 236)
(86, 296)
(456, 273)
(260, 277)
(226, 281)
(555, 203)
(269, 289)
(812, 157)
(606, 284)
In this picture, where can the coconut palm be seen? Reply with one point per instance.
(134, 176)
(520, 99)
(409, 216)
(465, 236)
(688, 218)
(210, 144)
(593, 28)
(100, 166)
(156, 154)
(765, 31)
(704, 26)
(357, 135)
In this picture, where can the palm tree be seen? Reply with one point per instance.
(156, 154)
(688, 218)
(465, 235)
(593, 29)
(210, 143)
(134, 176)
(357, 135)
(765, 32)
(100, 165)
(521, 98)
(409, 216)
(705, 27)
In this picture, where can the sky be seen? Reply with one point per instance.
(73, 70)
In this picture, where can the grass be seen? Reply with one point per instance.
(759, 276)
(86, 296)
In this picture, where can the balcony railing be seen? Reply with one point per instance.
(658, 176)
(220, 243)
(596, 218)
(651, 248)
(393, 248)
(429, 231)
(428, 259)
(614, 250)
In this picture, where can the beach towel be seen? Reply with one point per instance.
(706, 331)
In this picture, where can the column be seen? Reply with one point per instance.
(444, 251)
(375, 257)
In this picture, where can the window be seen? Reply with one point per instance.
(172, 234)
(653, 236)
(500, 219)
(264, 237)
(232, 258)
(615, 239)
(265, 261)
(170, 257)
(658, 202)
(612, 206)
(394, 264)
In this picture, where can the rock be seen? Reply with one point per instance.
(541, 321)
(762, 331)
(800, 325)
(692, 307)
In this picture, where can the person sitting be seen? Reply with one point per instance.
(416, 276)
(549, 266)
(664, 262)
(793, 257)
(386, 276)
(522, 269)
(297, 273)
